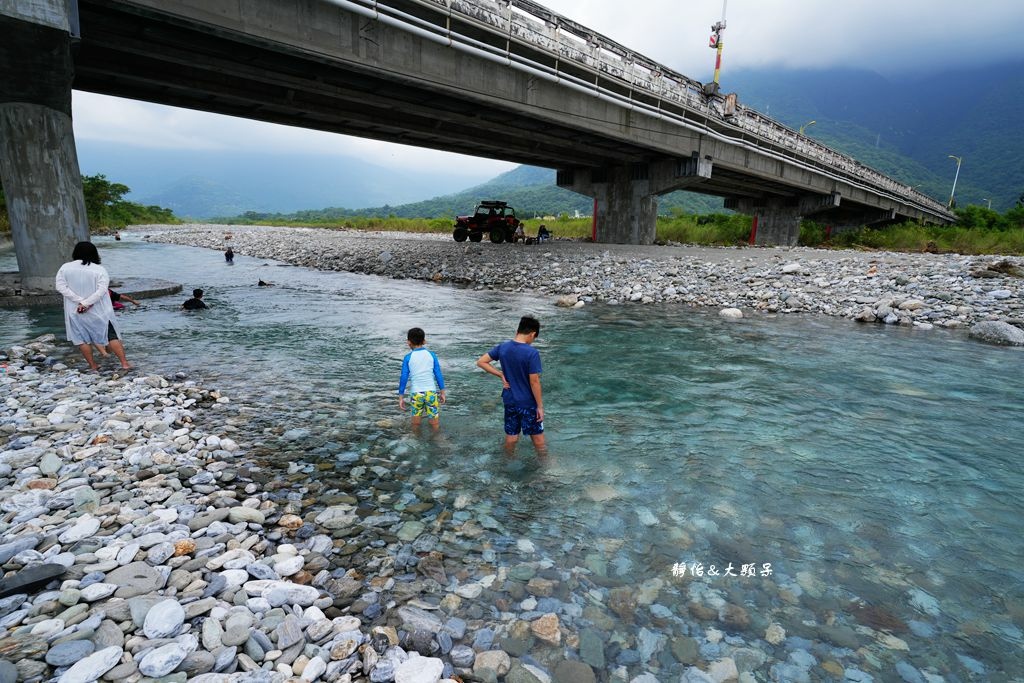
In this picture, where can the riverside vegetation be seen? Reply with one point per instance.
(105, 207)
(978, 231)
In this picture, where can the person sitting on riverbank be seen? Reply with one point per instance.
(229, 256)
(422, 372)
(543, 234)
(196, 302)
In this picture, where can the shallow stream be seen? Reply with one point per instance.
(877, 470)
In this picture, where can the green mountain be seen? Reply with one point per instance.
(531, 190)
(908, 126)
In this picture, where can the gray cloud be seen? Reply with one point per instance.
(888, 36)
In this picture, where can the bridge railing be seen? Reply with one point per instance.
(524, 23)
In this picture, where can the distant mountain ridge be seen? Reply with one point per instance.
(909, 127)
(528, 189)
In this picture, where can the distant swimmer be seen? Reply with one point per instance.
(229, 255)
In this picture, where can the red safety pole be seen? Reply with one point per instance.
(753, 230)
(593, 223)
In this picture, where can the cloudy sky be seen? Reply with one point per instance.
(890, 36)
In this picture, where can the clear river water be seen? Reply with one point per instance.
(877, 470)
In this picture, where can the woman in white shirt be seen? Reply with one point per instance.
(88, 313)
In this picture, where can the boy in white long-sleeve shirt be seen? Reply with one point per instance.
(421, 371)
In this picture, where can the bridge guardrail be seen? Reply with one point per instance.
(527, 24)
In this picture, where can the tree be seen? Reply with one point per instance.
(101, 196)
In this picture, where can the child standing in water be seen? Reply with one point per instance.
(421, 371)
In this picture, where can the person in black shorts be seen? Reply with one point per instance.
(520, 379)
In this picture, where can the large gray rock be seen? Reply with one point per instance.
(996, 332)
(137, 578)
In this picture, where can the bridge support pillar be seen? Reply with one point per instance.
(778, 218)
(38, 161)
(627, 196)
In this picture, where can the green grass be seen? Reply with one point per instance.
(913, 237)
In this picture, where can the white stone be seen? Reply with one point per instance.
(723, 670)
(91, 668)
(98, 591)
(289, 566)
(296, 594)
(419, 670)
(314, 669)
(164, 620)
(162, 660)
(731, 313)
(791, 268)
(337, 517)
(47, 627)
(86, 526)
(470, 590)
(525, 545)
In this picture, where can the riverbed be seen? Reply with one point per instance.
(861, 482)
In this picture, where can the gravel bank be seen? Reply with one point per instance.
(923, 290)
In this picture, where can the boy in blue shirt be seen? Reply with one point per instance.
(520, 378)
(422, 372)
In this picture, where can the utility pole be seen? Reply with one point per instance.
(716, 44)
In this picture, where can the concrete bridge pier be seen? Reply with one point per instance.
(777, 219)
(38, 161)
(627, 195)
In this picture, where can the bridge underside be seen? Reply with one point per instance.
(316, 65)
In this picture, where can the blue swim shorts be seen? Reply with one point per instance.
(522, 420)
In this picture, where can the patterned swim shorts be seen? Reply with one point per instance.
(522, 420)
(425, 404)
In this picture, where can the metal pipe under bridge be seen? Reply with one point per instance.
(509, 80)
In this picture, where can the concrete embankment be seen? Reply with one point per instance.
(920, 290)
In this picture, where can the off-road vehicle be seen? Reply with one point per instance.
(497, 219)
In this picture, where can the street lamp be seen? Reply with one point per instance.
(989, 203)
(803, 127)
(955, 178)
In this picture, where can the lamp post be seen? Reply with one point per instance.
(989, 203)
(952, 193)
(806, 125)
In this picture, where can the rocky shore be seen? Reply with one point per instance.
(139, 545)
(920, 290)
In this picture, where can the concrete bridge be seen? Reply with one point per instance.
(508, 80)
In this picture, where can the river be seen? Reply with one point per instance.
(876, 470)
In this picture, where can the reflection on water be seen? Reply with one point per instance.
(876, 470)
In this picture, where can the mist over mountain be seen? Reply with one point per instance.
(202, 184)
